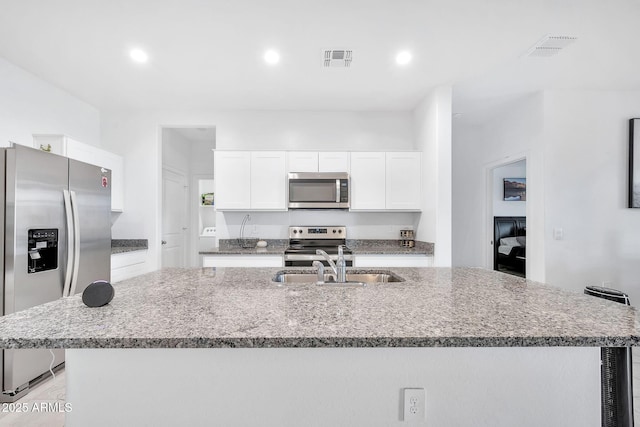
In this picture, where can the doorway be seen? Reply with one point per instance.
(174, 218)
(507, 216)
(187, 158)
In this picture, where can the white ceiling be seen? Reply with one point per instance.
(208, 54)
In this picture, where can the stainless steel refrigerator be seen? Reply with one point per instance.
(57, 239)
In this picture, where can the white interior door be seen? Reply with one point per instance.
(175, 218)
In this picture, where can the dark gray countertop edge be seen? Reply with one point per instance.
(321, 342)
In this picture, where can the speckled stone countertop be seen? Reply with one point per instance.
(388, 247)
(243, 307)
(128, 245)
(358, 246)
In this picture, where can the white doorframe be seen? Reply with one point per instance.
(488, 205)
(535, 263)
(158, 188)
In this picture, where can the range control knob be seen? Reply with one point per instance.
(295, 231)
(339, 231)
(334, 230)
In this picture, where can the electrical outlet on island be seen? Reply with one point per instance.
(414, 405)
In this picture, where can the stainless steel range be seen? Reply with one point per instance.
(305, 240)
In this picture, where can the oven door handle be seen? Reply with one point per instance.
(309, 257)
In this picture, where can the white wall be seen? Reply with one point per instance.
(500, 206)
(136, 135)
(515, 133)
(586, 155)
(432, 123)
(577, 148)
(274, 225)
(29, 105)
(176, 151)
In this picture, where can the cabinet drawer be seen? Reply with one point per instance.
(393, 261)
(128, 264)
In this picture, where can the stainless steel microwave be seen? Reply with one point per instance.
(318, 190)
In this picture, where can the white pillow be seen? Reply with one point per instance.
(509, 241)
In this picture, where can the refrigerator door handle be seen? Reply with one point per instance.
(70, 243)
(76, 243)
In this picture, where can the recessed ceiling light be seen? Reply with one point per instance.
(139, 55)
(271, 57)
(403, 58)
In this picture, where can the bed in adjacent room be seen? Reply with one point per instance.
(510, 244)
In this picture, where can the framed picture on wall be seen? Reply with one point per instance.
(634, 163)
(515, 189)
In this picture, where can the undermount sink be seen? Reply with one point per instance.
(355, 278)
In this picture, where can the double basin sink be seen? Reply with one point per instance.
(356, 278)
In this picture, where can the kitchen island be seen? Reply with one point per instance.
(232, 347)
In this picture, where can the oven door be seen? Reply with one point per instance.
(300, 260)
(318, 190)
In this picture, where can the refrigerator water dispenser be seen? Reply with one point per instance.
(43, 250)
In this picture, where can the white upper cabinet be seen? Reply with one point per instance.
(333, 161)
(386, 181)
(314, 161)
(302, 161)
(268, 180)
(232, 170)
(69, 147)
(403, 180)
(257, 180)
(368, 181)
(253, 180)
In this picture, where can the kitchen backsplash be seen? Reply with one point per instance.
(275, 225)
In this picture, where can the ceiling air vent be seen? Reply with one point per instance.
(340, 58)
(550, 46)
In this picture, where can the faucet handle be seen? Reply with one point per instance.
(340, 249)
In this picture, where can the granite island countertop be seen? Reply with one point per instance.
(243, 307)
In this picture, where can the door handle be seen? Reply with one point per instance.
(70, 243)
(164, 242)
(76, 244)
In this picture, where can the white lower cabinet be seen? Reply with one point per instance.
(242, 261)
(393, 261)
(126, 265)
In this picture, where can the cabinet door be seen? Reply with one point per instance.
(68, 147)
(232, 170)
(333, 161)
(242, 261)
(404, 181)
(83, 152)
(268, 180)
(303, 161)
(367, 181)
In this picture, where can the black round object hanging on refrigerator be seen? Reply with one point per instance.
(98, 293)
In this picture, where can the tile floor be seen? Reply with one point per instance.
(41, 404)
(53, 390)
